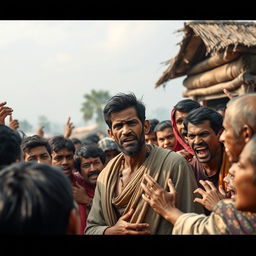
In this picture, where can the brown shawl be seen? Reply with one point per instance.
(161, 164)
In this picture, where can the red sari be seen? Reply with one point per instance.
(180, 144)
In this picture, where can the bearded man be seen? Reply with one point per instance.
(118, 207)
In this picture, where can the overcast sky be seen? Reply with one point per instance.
(47, 66)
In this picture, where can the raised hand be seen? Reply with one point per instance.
(160, 200)
(13, 123)
(124, 227)
(4, 112)
(211, 196)
(68, 128)
(40, 131)
(80, 195)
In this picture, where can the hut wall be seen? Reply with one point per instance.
(231, 76)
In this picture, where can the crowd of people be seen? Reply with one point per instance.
(192, 174)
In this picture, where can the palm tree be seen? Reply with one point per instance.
(92, 107)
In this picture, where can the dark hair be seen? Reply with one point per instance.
(76, 141)
(199, 115)
(35, 199)
(153, 123)
(35, 141)
(59, 142)
(10, 142)
(163, 125)
(187, 105)
(94, 138)
(87, 151)
(120, 102)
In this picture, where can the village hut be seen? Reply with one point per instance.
(214, 55)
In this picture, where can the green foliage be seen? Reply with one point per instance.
(92, 107)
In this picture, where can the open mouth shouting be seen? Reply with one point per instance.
(129, 140)
(202, 152)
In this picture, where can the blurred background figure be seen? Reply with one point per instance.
(36, 199)
(165, 135)
(150, 137)
(109, 147)
(77, 143)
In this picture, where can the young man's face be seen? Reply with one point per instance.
(38, 154)
(128, 131)
(90, 169)
(245, 187)
(64, 159)
(151, 138)
(203, 140)
(166, 138)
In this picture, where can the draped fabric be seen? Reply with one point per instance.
(161, 164)
(225, 219)
(180, 144)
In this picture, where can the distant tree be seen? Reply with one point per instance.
(92, 107)
(42, 120)
(25, 126)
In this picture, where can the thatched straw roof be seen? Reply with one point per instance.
(205, 38)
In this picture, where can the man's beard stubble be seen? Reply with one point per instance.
(136, 148)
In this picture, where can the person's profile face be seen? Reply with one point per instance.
(233, 145)
(244, 182)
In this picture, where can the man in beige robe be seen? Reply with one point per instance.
(118, 207)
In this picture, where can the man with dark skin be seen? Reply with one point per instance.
(36, 148)
(165, 136)
(239, 127)
(118, 207)
(178, 114)
(204, 127)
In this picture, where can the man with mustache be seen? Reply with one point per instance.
(204, 127)
(89, 162)
(229, 216)
(118, 207)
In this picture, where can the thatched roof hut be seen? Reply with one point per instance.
(205, 42)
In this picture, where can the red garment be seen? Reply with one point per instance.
(180, 144)
(83, 208)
